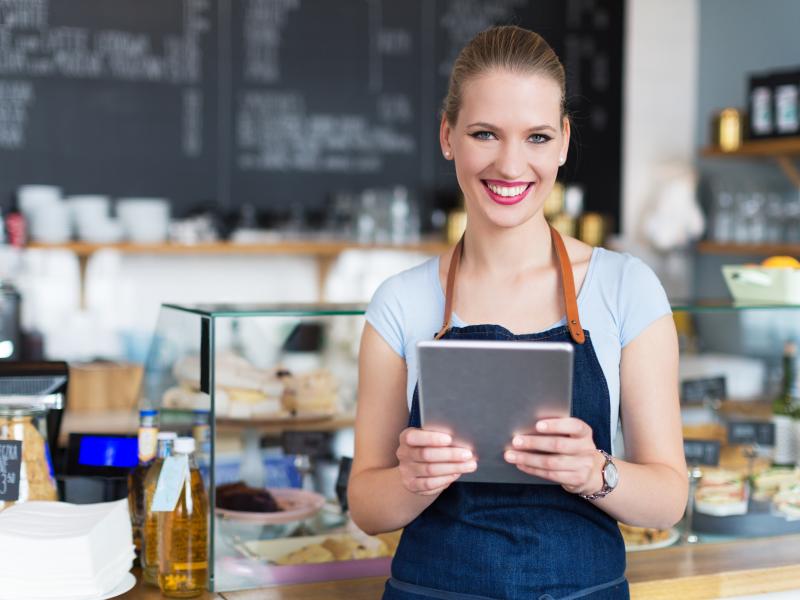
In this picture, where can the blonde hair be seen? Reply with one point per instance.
(505, 47)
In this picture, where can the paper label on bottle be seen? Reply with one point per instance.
(148, 440)
(170, 484)
(10, 464)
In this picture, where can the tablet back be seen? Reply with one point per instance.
(485, 392)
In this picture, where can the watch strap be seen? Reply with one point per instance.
(606, 489)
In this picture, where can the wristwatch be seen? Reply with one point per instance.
(610, 478)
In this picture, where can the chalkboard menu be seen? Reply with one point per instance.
(274, 103)
(10, 464)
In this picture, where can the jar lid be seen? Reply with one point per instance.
(20, 410)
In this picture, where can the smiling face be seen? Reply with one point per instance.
(507, 143)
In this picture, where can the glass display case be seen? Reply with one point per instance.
(269, 393)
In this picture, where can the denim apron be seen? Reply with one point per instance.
(480, 541)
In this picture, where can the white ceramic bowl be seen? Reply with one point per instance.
(106, 231)
(144, 220)
(88, 211)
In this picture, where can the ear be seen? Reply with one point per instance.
(566, 129)
(444, 138)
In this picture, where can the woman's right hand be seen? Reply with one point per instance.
(429, 463)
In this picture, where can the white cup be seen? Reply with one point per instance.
(49, 223)
(32, 197)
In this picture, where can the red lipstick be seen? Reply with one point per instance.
(506, 200)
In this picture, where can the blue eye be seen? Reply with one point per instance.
(539, 138)
(482, 135)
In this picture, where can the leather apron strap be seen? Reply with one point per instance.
(567, 286)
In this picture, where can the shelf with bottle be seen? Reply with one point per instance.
(784, 151)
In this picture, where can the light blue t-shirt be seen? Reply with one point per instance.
(620, 296)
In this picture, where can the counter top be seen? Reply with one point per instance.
(704, 571)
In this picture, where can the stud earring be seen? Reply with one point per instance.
(561, 160)
(447, 153)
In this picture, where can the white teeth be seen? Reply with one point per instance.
(507, 192)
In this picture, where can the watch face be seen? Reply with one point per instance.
(611, 475)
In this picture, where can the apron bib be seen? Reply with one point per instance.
(481, 541)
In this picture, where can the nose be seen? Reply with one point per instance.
(510, 162)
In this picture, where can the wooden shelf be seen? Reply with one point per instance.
(748, 249)
(320, 248)
(325, 251)
(789, 146)
(781, 150)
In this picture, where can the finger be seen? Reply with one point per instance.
(432, 484)
(564, 426)
(441, 469)
(550, 462)
(435, 454)
(568, 478)
(419, 437)
(555, 444)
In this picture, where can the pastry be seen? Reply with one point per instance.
(768, 482)
(787, 501)
(239, 496)
(722, 493)
(642, 536)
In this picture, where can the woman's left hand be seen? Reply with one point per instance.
(561, 450)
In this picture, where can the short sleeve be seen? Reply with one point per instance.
(385, 314)
(642, 300)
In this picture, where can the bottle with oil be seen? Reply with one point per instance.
(149, 555)
(183, 534)
(148, 430)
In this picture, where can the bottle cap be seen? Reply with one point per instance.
(184, 445)
(167, 435)
(148, 412)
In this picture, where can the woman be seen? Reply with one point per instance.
(505, 128)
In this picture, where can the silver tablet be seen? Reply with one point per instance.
(484, 392)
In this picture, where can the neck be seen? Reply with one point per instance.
(508, 251)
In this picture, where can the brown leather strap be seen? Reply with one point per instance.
(449, 294)
(567, 285)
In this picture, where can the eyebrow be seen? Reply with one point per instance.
(530, 130)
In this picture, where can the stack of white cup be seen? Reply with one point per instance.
(45, 212)
(91, 219)
(144, 220)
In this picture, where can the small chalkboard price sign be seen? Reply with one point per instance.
(700, 391)
(702, 452)
(751, 432)
(10, 463)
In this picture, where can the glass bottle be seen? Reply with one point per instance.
(148, 430)
(149, 555)
(22, 427)
(782, 409)
(183, 534)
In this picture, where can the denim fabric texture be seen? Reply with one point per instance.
(481, 541)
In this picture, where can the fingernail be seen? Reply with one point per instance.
(517, 441)
(471, 466)
(541, 425)
(511, 456)
(466, 455)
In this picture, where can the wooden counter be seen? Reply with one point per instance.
(699, 572)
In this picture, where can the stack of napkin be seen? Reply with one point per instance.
(65, 551)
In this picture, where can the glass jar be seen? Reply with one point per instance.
(26, 424)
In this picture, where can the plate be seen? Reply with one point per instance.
(674, 536)
(297, 505)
